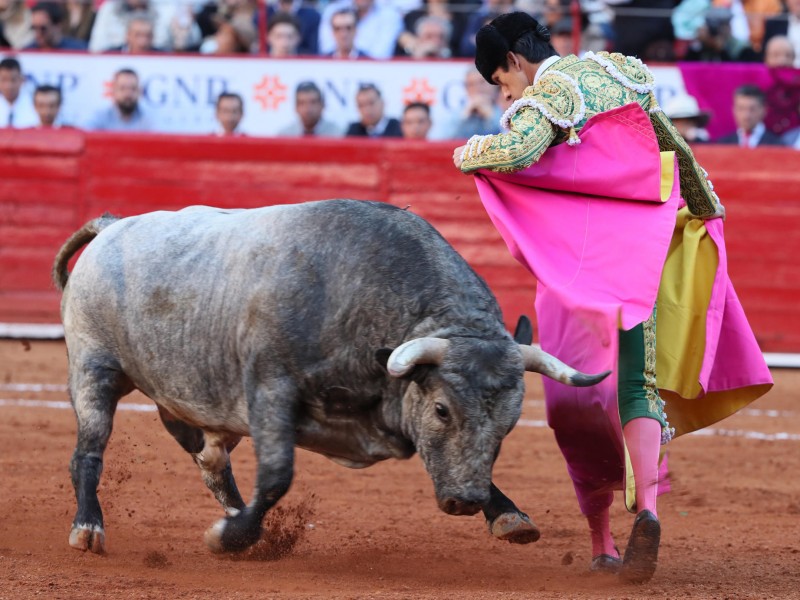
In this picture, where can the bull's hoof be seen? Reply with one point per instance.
(231, 534)
(213, 537)
(88, 537)
(515, 527)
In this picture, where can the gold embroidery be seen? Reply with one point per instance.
(531, 133)
(650, 388)
(695, 189)
(631, 68)
(532, 128)
(558, 95)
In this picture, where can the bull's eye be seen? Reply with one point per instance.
(442, 412)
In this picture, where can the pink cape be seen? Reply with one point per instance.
(591, 222)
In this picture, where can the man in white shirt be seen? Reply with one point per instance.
(343, 24)
(47, 103)
(16, 109)
(376, 32)
(309, 104)
(229, 113)
(125, 113)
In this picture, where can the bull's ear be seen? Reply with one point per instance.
(523, 334)
(382, 356)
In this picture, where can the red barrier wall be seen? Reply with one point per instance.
(52, 182)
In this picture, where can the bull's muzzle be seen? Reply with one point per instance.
(462, 505)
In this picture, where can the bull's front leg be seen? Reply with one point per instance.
(271, 414)
(507, 522)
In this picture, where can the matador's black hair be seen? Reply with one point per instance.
(512, 32)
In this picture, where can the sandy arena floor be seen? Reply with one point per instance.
(731, 524)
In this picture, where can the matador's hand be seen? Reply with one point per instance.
(457, 156)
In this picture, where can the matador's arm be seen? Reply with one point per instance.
(546, 113)
(529, 136)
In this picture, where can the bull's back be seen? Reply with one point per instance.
(186, 298)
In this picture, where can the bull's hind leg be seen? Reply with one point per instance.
(271, 415)
(507, 522)
(96, 385)
(211, 453)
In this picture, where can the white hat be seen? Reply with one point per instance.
(684, 106)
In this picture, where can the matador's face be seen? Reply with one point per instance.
(514, 78)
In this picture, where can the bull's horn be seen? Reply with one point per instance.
(421, 351)
(539, 361)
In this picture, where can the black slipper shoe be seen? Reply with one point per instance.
(605, 563)
(641, 555)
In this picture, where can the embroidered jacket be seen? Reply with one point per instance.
(564, 97)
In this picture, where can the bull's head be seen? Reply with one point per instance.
(464, 396)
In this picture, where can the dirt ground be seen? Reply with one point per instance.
(731, 524)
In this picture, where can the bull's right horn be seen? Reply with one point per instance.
(420, 351)
(539, 361)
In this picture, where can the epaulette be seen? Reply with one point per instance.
(629, 71)
(558, 98)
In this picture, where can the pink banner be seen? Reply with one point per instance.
(713, 85)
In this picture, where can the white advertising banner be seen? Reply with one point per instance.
(179, 92)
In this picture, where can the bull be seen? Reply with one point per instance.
(348, 328)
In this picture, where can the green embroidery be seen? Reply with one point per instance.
(532, 133)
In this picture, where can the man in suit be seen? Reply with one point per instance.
(749, 110)
(373, 123)
(16, 108)
(47, 103)
(229, 113)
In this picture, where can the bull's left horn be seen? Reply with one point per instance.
(539, 361)
(421, 351)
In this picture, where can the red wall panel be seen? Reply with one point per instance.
(52, 182)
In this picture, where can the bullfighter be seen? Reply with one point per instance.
(598, 195)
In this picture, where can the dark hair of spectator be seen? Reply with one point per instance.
(10, 64)
(224, 95)
(54, 10)
(283, 18)
(751, 91)
(304, 87)
(367, 87)
(48, 89)
(422, 105)
(126, 71)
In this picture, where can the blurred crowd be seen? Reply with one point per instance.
(653, 30)
(480, 115)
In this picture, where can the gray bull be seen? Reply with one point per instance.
(351, 329)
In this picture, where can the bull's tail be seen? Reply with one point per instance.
(76, 241)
